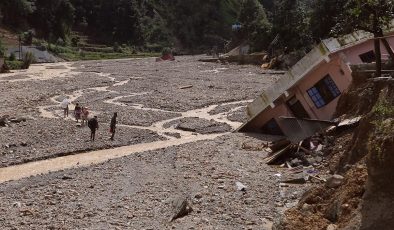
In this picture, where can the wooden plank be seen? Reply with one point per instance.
(276, 155)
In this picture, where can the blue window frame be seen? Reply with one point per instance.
(323, 92)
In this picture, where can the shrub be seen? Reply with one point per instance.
(13, 65)
(75, 41)
(1, 49)
(28, 60)
(12, 57)
(117, 48)
(60, 42)
(166, 50)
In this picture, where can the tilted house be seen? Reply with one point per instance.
(311, 88)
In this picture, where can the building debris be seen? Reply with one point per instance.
(304, 157)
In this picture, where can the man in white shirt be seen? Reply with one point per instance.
(64, 104)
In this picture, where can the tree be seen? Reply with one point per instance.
(53, 19)
(372, 16)
(324, 17)
(2, 49)
(255, 25)
(15, 12)
(291, 23)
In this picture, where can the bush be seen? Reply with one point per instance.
(1, 49)
(28, 60)
(27, 37)
(75, 41)
(117, 48)
(166, 50)
(60, 42)
(12, 57)
(13, 65)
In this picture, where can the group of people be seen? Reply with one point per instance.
(82, 113)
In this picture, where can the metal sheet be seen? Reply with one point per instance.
(297, 129)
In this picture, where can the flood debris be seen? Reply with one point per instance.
(304, 158)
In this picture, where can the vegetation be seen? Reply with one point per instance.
(2, 49)
(193, 25)
(28, 59)
(13, 65)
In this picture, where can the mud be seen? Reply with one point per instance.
(54, 177)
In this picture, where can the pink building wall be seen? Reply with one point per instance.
(338, 69)
(352, 53)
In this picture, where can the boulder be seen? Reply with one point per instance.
(334, 181)
(181, 208)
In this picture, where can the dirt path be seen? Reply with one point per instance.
(94, 157)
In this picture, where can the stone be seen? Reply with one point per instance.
(318, 159)
(334, 181)
(181, 208)
(66, 177)
(331, 227)
(306, 207)
(240, 186)
(198, 196)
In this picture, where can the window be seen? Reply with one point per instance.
(323, 92)
(368, 57)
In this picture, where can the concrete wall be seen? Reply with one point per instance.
(352, 54)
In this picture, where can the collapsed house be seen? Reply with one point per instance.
(310, 90)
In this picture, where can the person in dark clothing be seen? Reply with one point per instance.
(93, 125)
(113, 126)
(77, 112)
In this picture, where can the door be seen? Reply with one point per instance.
(296, 108)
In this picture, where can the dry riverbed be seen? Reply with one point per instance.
(178, 115)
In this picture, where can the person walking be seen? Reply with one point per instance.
(84, 115)
(93, 125)
(112, 126)
(64, 104)
(77, 112)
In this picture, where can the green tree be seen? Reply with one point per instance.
(255, 25)
(372, 16)
(15, 12)
(53, 19)
(2, 49)
(324, 17)
(291, 22)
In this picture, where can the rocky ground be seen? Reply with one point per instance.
(137, 192)
(144, 93)
(223, 181)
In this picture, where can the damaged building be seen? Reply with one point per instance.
(310, 90)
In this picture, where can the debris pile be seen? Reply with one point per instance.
(309, 159)
(357, 166)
